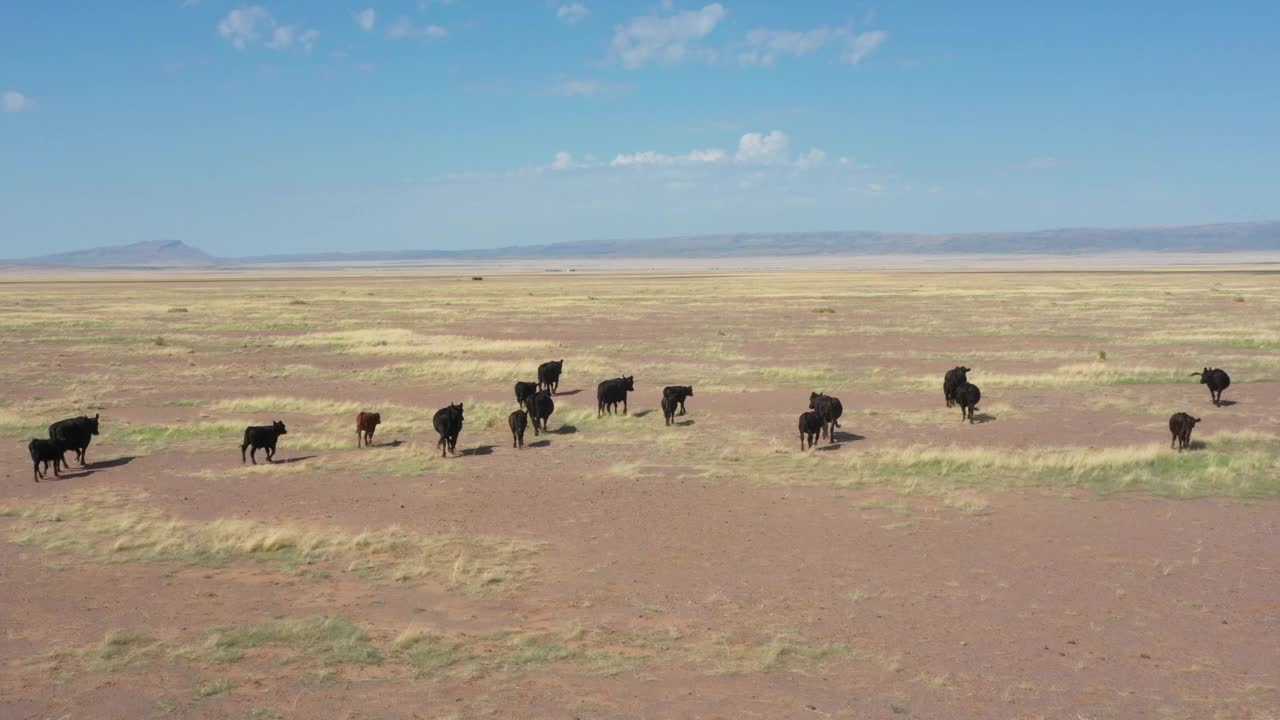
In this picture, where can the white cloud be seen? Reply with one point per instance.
(244, 26)
(15, 102)
(562, 161)
(247, 26)
(366, 19)
(767, 45)
(584, 88)
(813, 158)
(863, 44)
(281, 38)
(572, 13)
(404, 27)
(664, 39)
(757, 148)
(693, 157)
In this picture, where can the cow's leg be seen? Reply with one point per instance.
(624, 405)
(35, 470)
(242, 447)
(1174, 440)
(253, 454)
(55, 468)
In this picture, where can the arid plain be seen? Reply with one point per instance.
(1053, 560)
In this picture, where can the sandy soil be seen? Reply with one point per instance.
(986, 601)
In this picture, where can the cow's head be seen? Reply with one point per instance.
(1193, 420)
(813, 399)
(279, 428)
(457, 409)
(375, 418)
(629, 383)
(688, 390)
(93, 424)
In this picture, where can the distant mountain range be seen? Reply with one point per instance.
(1227, 237)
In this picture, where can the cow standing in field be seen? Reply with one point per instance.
(669, 405)
(262, 437)
(549, 375)
(45, 451)
(1180, 427)
(540, 407)
(524, 391)
(967, 397)
(1217, 380)
(611, 392)
(810, 427)
(829, 409)
(74, 434)
(954, 378)
(366, 423)
(679, 393)
(518, 420)
(448, 422)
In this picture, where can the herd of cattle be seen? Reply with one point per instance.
(535, 402)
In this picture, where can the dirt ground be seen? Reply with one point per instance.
(1054, 559)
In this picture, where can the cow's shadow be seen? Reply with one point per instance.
(105, 464)
(641, 413)
(838, 439)
(980, 418)
(1226, 403)
(1197, 445)
(538, 444)
(568, 392)
(685, 423)
(563, 430)
(388, 444)
(288, 461)
(478, 450)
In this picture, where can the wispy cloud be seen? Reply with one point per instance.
(758, 148)
(664, 39)
(765, 46)
(366, 19)
(584, 88)
(13, 101)
(1043, 162)
(863, 44)
(405, 27)
(572, 13)
(252, 24)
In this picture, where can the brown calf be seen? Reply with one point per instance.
(366, 423)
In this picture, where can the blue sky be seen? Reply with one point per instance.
(291, 125)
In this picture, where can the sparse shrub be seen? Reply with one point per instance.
(211, 688)
(825, 310)
(1102, 356)
(159, 341)
(1239, 298)
(298, 301)
(178, 310)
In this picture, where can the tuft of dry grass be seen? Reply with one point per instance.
(115, 529)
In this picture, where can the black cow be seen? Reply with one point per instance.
(680, 392)
(829, 409)
(74, 434)
(1180, 426)
(524, 390)
(1217, 380)
(954, 378)
(540, 407)
(549, 375)
(518, 420)
(45, 451)
(262, 436)
(810, 427)
(611, 392)
(967, 397)
(669, 405)
(448, 422)
(366, 424)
